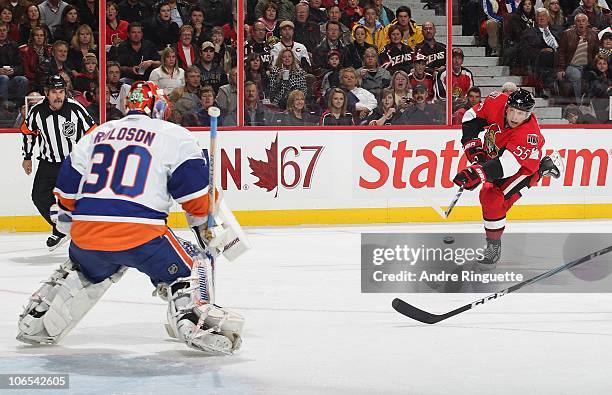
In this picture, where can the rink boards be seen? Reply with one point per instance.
(362, 176)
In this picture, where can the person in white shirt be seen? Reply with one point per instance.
(286, 42)
(168, 76)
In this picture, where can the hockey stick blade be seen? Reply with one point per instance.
(428, 318)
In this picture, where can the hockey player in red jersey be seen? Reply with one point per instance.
(510, 160)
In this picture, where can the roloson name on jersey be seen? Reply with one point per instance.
(131, 134)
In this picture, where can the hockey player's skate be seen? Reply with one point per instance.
(55, 241)
(492, 253)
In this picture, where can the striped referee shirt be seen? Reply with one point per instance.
(56, 131)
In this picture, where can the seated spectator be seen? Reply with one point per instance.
(305, 31)
(577, 48)
(357, 48)
(420, 76)
(201, 28)
(134, 11)
(226, 98)
(56, 64)
(212, 73)
(508, 87)
(599, 82)
(333, 14)
(83, 80)
(556, 20)
(474, 96)
(396, 55)
(375, 31)
(117, 90)
(364, 101)
(402, 90)
(168, 76)
(329, 43)
(434, 51)
(88, 11)
(605, 46)
(270, 21)
(12, 79)
(230, 31)
(217, 12)
(187, 53)
(186, 99)
(6, 16)
(68, 25)
(36, 51)
(462, 79)
(207, 99)
(51, 12)
(331, 78)
(81, 44)
(412, 34)
(160, 29)
(296, 114)
(285, 76)
(421, 112)
(597, 19)
(518, 22)
(179, 10)
(116, 29)
(574, 116)
(336, 113)
(383, 13)
(373, 77)
(255, 112)
(30, 20)
(317, 13)
(385, 113)
(17, 6)
(258, 44)
(494, 21)
(352, 13)
(255, 72)
(225, 55)
(136, 56)
(285, 9)
(286, 42)
(540, 44)
(93, 108)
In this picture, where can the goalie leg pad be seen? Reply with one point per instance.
(59, 304)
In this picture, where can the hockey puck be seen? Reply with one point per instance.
(448, 240)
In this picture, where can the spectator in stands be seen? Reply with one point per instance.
(474, 96)
(557, 19)
(317, 14)
(83, 79)
(136, 56)
(334, 14)
(336, 113)
(364, 101)
(421, 112)
(285, 76)
(411, 32)
(356, 49)
(270, 20)
(418, 75)
(373, 77)
(6, 15)
(593, 12)
(518, 22)
(160, 29)
(376, 34)
(81, 44)
(168, 75)
(30, 20)
(494, 20)
(286, 42)
(305, 31)
(18, 7)
(259, 45)
(51, 12)
(352, 13)
(605, 46)
(296, 113)
(35, 52)
(226, 98)
(186, 99)
(116, 29)
(93, 108)
(331, 42)
(599, 82)
(383, 13)
(285, 9)
(402, 90)
(187, 53)
(509, 87)
(179, 10)
(230, 31)
(255, 72)
(88, 11)
(255, 112)
(540, 44)
(201, 28)
(11, 71)
(56, 64)
(211, 72)
(217, 12)
(385, 113)
(207, 100)
(134, 11)
(225, 55)
(434, 51)
(574, 116)
(462, 79)
(68, 25)
(396, 55)
(331, 77)
(577, 48)
(117, 90)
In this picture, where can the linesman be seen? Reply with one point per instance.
(57, 123)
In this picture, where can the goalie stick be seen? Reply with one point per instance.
(428, 318)
(214, 114)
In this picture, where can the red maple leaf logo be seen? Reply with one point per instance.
(267, 171)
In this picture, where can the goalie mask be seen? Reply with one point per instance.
(145, 97)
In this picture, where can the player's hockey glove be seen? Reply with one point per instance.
(474, 152)
(470, 177)
(548, 168)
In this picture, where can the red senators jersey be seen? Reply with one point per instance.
(519, 149)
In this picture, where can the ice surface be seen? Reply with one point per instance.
(310, 330)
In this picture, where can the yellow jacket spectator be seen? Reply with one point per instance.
(376, 32)
(412, 33)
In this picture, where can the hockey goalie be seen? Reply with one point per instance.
(114, 194)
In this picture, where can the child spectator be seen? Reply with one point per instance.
(352, 13)
(331, 78)
(83, 81)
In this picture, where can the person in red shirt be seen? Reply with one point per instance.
(508, 161)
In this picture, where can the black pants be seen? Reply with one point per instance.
(42, 189)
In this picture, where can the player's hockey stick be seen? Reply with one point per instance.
(451, 206)
(214, 113)
(428, 318)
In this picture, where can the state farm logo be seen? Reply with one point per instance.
(292, 167)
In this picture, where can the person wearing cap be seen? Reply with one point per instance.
(434, 51)
(285, 9)
(418, 75)
(420, 112)
(462, 79)
(286, 42)
(212, 73)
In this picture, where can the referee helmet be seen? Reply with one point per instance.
(55, 82)
(147, 98)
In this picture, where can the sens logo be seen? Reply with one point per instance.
(533, 139)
